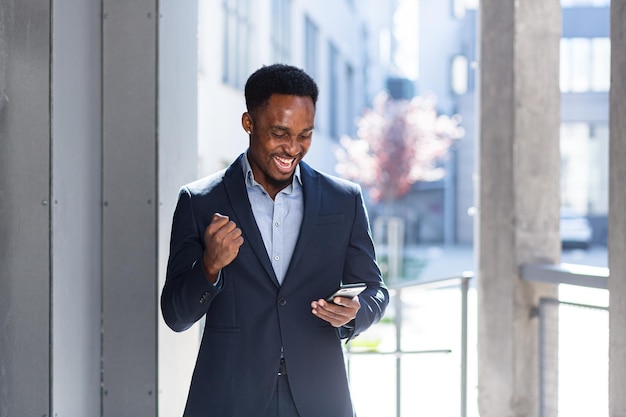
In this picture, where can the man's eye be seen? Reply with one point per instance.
(279, 135)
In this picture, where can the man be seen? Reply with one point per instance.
(256, 249)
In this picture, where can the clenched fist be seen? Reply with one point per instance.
(222, 240)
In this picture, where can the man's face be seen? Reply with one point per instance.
(280, 136)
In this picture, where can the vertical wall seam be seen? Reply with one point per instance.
(102, 207)
(50, 215)
(157, 21)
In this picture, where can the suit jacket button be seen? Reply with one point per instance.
(282, 301)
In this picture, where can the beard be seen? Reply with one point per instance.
(280, 183)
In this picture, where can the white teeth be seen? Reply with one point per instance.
(284, 161)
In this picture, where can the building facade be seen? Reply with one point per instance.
(345, 45)
(448, 68)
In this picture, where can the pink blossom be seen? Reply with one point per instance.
(398, 143)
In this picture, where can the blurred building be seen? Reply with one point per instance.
(585, 81)
(448, 68)
(345, 45)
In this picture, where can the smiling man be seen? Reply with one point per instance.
(255, 250)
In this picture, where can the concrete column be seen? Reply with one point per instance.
(617, 214)
(518, 195)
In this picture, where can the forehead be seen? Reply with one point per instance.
(281, 106)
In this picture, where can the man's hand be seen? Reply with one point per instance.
(339, 313)
(222, 240)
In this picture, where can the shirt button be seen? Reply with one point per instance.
(277, 224)
(276, 257)
(282, 301)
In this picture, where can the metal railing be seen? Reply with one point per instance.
(549, 310)
(398, 291)
(571, 274)
(588, 395)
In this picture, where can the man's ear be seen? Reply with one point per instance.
(246, 122)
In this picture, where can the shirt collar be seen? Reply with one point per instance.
(251, 182)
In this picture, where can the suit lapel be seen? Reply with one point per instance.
(311, 191)
(235, 185)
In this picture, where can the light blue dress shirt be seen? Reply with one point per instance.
(278, 220)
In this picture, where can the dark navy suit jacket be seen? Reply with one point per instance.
(251, 316)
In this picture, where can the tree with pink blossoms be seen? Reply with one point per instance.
(398, 143)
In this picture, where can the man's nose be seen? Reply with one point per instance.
(292, 146)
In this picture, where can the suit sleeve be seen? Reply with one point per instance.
(187, 293)
(361, 266)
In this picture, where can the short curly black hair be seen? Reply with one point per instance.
(277, 79)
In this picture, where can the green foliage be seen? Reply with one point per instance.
(411, 268)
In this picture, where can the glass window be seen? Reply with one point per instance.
(565, 67)
(459, 74)
(585, 167)
(600, 64)
(350, 115)
(237, 30)
(333, 93)
(599, 169)
(310, 47)
(585, 64)
(281, 31)
(580, 55)
(458, 9)
(575, 166)
(585, 3)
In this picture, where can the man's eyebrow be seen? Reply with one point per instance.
(286, 129)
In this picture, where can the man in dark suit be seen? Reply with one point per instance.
(256, 249)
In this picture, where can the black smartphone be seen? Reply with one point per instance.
(348, 291)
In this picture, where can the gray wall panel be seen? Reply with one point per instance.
(80, 246)
(76, 208)
(130, 211)
(24, 208)
(178, 149)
